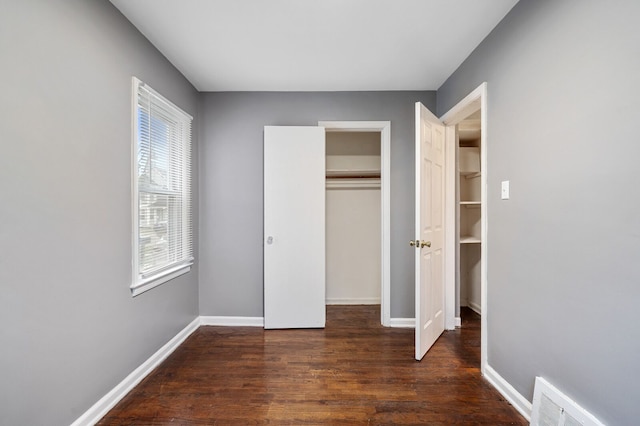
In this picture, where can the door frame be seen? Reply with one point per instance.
(474, 101)
(384, 127)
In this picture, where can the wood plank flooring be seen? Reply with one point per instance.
(353, 372)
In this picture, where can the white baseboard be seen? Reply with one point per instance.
(233, 321)
(475, 307)
(107, 402)
(514, 397)
(402, 322)
(458, 321)
(353, 301)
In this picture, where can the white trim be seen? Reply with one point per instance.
(155, 281)
(402, 322)
(514, 397)
(161, 98)
(232, 321)
(484, 225)
(384, 127)
(467, 106)
(353, 301)
(458, 322)
(135, 216)
(471, 103)
(107, 402)
(450, 229)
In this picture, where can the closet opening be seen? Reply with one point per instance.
(467, 143)
(353, 218)
(382, 131)
(469, 220)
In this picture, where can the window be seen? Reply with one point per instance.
(162, 229)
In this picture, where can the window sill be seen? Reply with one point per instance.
(152, 282)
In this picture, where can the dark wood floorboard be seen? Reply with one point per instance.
(353, 372)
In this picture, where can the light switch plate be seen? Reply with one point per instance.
(505, 190)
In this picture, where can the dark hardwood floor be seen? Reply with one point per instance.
(352, 372)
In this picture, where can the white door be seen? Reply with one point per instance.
(294, 227)
(429, 230)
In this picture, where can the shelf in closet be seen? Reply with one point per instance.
(470, 175)
(353, 183)
(353, 173)
(469, 239)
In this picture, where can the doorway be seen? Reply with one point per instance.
(383, 128)
(469, 233)
(468, 214)
(353, 243)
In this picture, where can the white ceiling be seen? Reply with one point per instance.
(315, 45)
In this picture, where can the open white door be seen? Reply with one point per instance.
(429, 229)
(294, 227)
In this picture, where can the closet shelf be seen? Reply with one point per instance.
(471, 175)
(469, 239)
(367, 183)
(350, 173)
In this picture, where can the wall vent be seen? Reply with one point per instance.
(553, 408)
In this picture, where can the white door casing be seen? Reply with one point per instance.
(474, 101)
(429, 245)
(384, 127)
(294, 227)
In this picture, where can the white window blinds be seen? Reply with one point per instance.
(163, 238)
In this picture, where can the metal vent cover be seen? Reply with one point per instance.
(553, 408)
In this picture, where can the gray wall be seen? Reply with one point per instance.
(231, 191)
(563, 279)
(69, 328)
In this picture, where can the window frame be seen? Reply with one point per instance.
(142, 282)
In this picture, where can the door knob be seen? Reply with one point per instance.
(413, 243)
(425, 244)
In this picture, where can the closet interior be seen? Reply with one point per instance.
(469, 203)
(353, 218)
